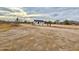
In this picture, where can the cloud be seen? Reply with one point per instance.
(36, 15)
(8, 11)
(12, 11)
(50, 12)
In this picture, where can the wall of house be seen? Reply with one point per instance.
(40, 23)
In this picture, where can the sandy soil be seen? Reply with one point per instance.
(37, 38)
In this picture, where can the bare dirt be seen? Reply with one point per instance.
(38, 38)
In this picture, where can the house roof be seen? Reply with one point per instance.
(39, 20)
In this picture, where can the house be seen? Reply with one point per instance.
(38, 22)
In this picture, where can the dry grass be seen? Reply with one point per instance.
(66, 26)
(5, 27)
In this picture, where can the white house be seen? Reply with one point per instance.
(38, 22)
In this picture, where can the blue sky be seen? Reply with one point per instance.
(61, 13)
(71, 13)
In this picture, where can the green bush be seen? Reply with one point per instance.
(66, 22)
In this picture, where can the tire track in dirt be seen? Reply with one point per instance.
(39, 38)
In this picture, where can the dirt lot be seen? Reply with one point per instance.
(36, 38)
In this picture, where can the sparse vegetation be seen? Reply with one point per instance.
(66, 22)
(5, 27)
(56, 22)
(48, 23)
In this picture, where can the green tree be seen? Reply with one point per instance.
(16, 22)
(56, 22)
(67, 22)
(25, 21)
(49, 23)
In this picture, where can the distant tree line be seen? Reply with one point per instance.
(64, 22)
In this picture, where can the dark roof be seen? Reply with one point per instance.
(39, 20)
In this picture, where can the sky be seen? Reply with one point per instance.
(53, 13)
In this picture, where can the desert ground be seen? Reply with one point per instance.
(39, 38)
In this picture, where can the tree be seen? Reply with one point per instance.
(67, 22)
(49, 23)
(17, 20)
(56, 22)
(25, 21)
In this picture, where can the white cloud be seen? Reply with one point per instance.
(8, 11)
(36, 15)
(13, 11)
